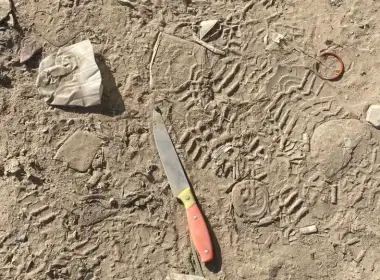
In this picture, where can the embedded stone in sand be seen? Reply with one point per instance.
(79, 150)
(336, 143)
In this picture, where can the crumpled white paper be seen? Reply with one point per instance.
(71, 77)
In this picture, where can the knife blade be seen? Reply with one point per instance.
(181, 188)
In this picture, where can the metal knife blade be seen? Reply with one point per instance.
(168, 155)
(181, 189)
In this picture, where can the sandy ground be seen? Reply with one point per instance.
(269, 147)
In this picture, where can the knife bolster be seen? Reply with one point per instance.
(187, 198)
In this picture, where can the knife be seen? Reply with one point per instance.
(181, 189)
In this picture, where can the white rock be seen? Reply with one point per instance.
(277, 37)
(206, 26)
(373, 115)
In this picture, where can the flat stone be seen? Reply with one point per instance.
(170, 54)
(373, 115)
(337, 143)
(79, 150)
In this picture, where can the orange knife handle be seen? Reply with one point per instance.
(199, 233)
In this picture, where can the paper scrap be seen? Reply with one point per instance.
(71, 77)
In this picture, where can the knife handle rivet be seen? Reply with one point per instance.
(188, 197)
(206, 251)
(195, 217)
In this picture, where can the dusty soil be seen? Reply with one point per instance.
(268, 145)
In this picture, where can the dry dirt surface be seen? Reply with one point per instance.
(283, 162)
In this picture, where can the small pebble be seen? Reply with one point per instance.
(13, 167)
(113, 203)
(373, 115)
(22, 237)
(309, 229)
(360, 256)
(94, 179)
(352, 241)
(72, 236)
(101, 186)
(265, 221)
(33, 176)
(336, 3)
(293, 238)
(64, 271)
(89, 276)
